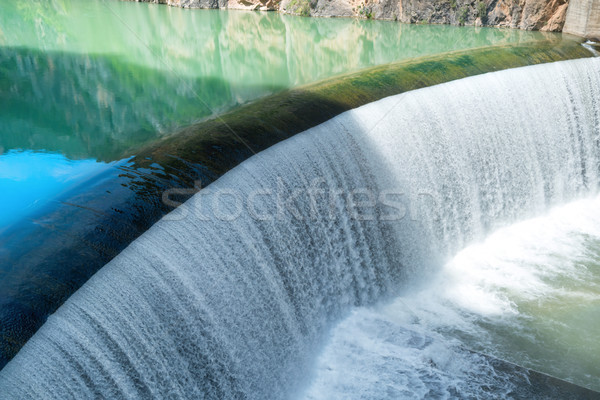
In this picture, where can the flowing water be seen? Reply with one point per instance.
(413, 200)
(528, 294)
(94, 80)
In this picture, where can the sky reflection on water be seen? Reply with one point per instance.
(31, 179)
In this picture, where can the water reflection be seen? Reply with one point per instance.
(98, 79)
(30, 179)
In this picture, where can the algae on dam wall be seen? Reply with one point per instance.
(523, 14)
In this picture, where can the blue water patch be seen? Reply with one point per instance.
(31, 179)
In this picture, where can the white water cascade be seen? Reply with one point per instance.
(529, 294)
(233, 294)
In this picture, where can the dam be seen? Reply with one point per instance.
(95, 132)
(227, 204)
(244, 290)
(583, 18)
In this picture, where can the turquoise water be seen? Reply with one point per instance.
(33, 178)
(85, 83)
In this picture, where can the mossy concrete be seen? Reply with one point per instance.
(221, 143)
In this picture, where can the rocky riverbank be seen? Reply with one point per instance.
(541, 15)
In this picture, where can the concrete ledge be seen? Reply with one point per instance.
(583, 19)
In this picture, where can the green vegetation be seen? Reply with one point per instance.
(300, 7)
(482, 11)
(453, 4)
(365, 11)
(462, 15)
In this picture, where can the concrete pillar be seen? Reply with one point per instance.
(583, 18)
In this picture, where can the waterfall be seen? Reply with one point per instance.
(230, 295)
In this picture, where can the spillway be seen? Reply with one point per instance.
(527, 294)
(232, 294)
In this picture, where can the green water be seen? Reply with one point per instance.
(92, 82)
(98, 79)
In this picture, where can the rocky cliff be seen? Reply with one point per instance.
(545, 15)
(263, 5)
(523, 14)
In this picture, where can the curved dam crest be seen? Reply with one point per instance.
(213, 303)
(53, 254)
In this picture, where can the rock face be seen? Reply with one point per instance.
(544, 15)
(523, 14)
(528, 14)
(263, 5)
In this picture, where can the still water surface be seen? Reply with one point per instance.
(84, 84)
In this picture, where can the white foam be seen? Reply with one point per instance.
(416, 343)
